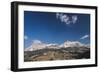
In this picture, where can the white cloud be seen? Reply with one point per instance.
(37, 44)
(84, 37)
(57, 15)
(74, 19)
(25, 37)
(73, 44)
(66, 18)
(36, 41)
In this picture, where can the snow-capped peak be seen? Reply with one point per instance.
(37, 45)
(73, 44)
(37, 42)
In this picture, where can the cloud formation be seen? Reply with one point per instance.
(66, 18)
(84, 37)
(37, 44)
(25, 37)
(36, 41)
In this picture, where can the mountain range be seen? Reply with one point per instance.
(37, 45)
(40, 51)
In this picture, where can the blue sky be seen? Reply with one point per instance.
(57, 27)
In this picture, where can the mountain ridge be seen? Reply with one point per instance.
(37, 45)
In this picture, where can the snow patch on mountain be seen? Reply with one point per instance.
(73, 44)
(37, 45)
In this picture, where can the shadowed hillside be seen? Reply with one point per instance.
(57, 54)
